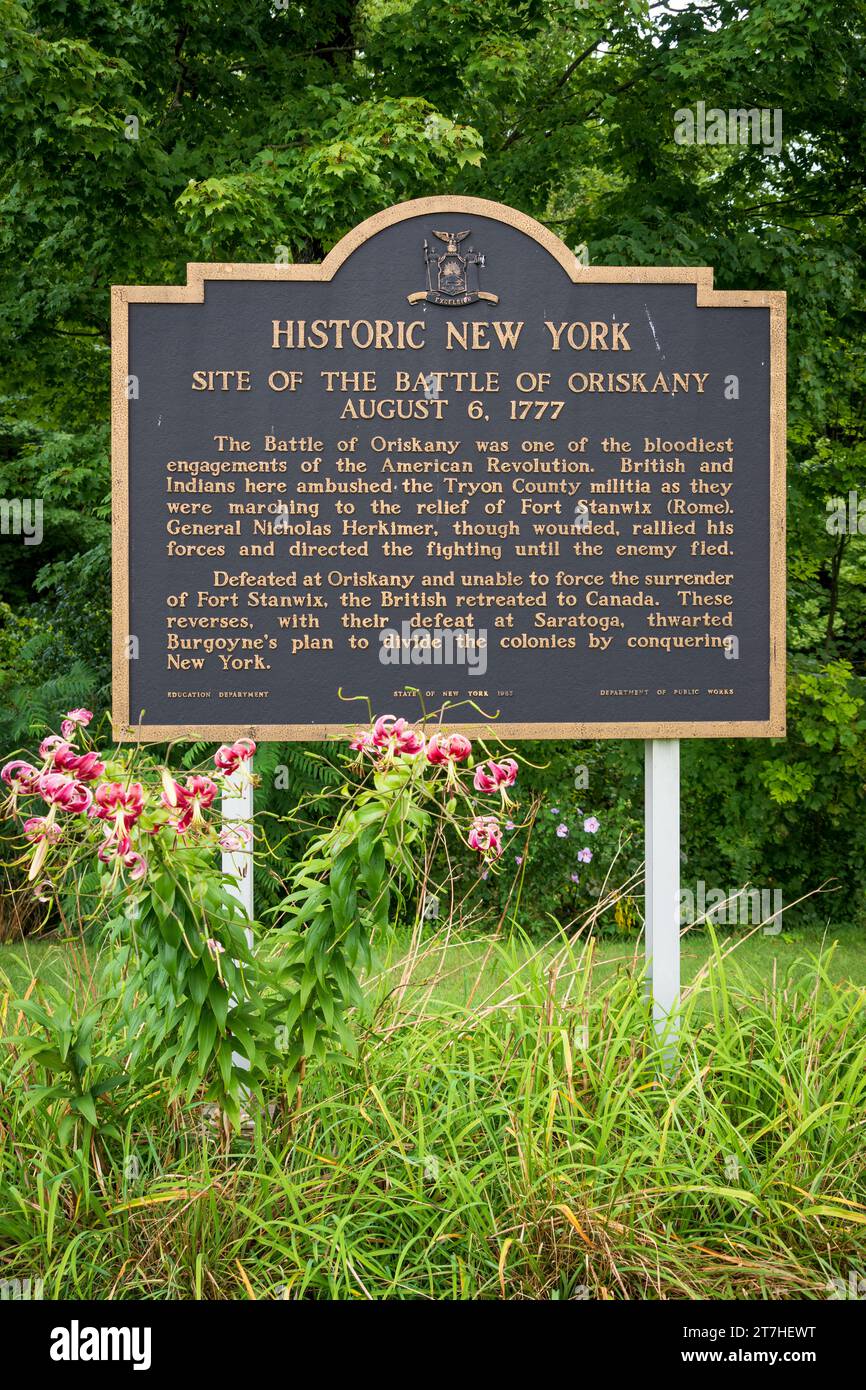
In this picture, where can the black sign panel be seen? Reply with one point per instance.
(455, 459)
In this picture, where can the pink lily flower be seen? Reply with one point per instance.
(59, 790)
(115, 843)
(395, 736)
(507, 772)
(363, 744)
(492, 776)
(137, 865)
(41, 828)
(191, 799)
(484, 781)
(22, 778)
(89, 766)
(122, 804)
(85, 766)
(76, 718)
(448, 748)
(61, 754)
(233, 838)
(49, 744)
(229, 757)
(485, 835)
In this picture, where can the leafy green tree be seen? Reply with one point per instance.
(136, 138)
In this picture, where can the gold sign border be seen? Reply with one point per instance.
(198, 273)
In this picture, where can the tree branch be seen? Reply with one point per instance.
(557, 85)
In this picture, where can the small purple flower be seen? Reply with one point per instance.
(554, 810)
(575, 878)
(562, 831)
(518, 858)
(584, 855)
(591, 825)
(484, 874)
(509, 825)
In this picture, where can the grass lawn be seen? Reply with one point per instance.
(455, 971)
(466, 972)
(510, 1129)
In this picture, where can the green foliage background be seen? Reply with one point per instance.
(269, 129)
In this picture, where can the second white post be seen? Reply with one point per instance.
(662, 842)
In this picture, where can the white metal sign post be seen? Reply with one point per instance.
(237, 817)
(662, 843)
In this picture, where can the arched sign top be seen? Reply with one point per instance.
(464, 207)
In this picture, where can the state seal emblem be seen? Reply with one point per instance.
(455, 272)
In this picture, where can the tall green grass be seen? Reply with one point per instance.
(519, 1138)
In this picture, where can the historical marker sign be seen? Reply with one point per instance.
(449, 457)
